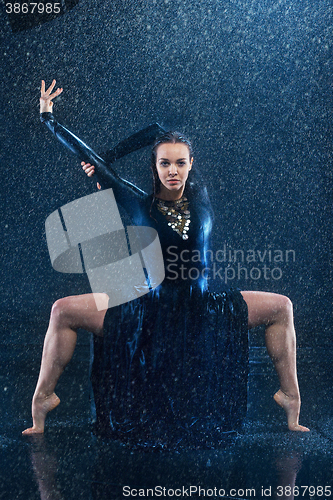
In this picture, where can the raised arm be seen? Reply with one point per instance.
(125, 193)
(46, 97)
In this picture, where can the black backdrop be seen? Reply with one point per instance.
(249, 82)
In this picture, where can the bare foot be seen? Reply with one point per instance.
(291, 405)
(41, 406)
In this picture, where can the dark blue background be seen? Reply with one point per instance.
(249, 82)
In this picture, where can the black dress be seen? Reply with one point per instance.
(171, 368)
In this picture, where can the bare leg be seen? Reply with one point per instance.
(276, 313)
(67, 315)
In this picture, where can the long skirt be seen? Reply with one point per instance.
(171, 369)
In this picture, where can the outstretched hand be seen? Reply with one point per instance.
(46, 97)
(89, 170)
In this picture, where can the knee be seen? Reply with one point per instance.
(60, 311)
(285, 308)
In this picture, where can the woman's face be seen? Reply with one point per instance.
(173, 164)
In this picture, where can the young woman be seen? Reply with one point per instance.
(170, 366)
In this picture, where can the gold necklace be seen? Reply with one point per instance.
(177, 214)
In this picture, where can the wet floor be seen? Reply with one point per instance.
(263, 460)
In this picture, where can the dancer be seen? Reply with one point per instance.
(174, 362)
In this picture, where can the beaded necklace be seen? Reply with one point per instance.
(177, 214)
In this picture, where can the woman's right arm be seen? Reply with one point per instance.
(125, 193)
(46, 97)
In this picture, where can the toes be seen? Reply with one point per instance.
(299, 428)
(32, 430)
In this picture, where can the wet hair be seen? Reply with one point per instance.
(168, 138)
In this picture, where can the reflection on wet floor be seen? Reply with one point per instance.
(265, 460)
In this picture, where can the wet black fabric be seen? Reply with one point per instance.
(171, 368)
